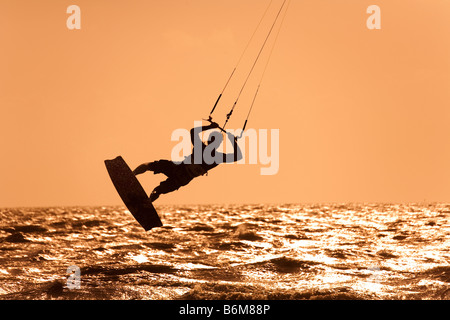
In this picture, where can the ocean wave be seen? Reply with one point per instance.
(285, 251)
(246, 232)
(210, 291)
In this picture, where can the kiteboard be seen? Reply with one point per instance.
(132, 194)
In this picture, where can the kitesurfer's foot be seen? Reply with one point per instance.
(140, 169)
(154, 196)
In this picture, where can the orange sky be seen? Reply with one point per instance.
(363, 114)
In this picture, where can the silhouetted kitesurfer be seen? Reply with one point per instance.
(203, 158)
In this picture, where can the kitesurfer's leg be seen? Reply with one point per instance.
(166, 186)
(154, 195)
(160, 166)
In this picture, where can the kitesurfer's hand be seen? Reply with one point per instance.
(214, 124)
(231, 137)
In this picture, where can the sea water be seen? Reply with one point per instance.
(285, 251)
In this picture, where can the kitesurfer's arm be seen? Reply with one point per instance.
(237, 154)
